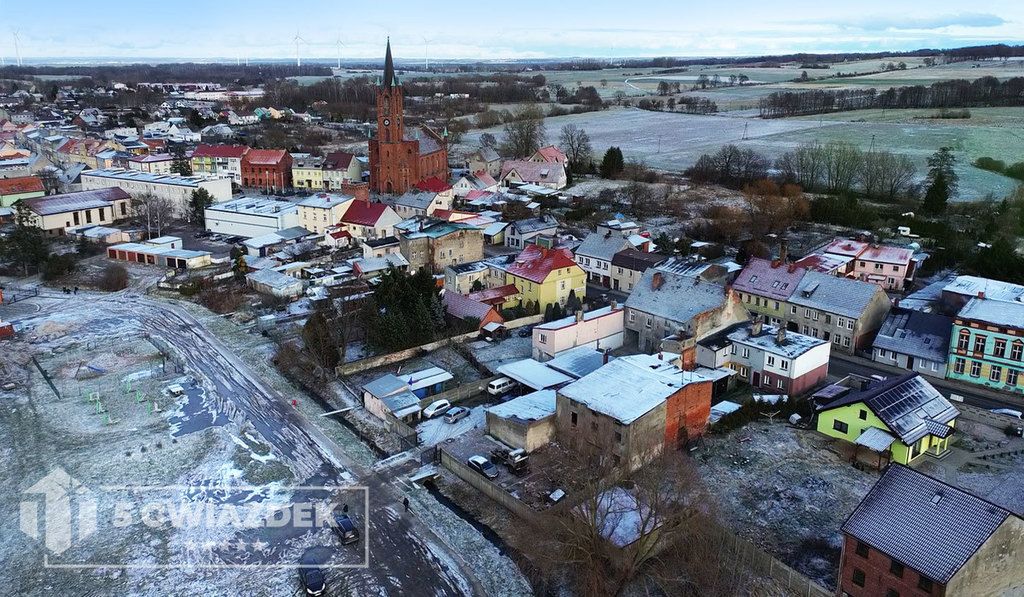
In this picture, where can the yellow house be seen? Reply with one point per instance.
(545, 276)
(308, 174)
(902, 417)
(322, 211)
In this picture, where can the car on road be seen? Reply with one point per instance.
(313, 580)
(456, 414)
(1008, 412)
(346, 529)
(483, 466)
(526, 331)
(499, 386)
(438, 407)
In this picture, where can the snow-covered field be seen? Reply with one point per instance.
(434, 431)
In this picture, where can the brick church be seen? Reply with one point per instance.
(400, 157)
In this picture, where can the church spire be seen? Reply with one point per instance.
(389, 67)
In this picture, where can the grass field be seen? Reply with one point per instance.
(673, 142)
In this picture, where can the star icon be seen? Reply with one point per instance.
(240, 545)
(210, 545)
(259, 545)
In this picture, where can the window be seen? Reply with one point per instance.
(1011, 377)
(574, 418)
(632, 316)
(792, 310)
(863, 263)
(958, 366)
(849, 324)
(896, 569)
(895, 268)
(840, 322)
(837, 339)
(779, 384)
(784, 365)
(593, 425)
(878, 267)
(892, 593)
(88, 216)
(846, 342)
(924, 583)
(975, 369)
(979, 343)
(543, 338)
(858, 577)
(963, 340)
(828, 319)
(882, 353)
(650, 321)
(746, 352)
(807, 313)
(776, 305)
(863, 415)
(995, 373)
(618, 436)
(815, 316)
(1000, 348)
(771, 361)
(1016, 350)
(863, 549)
(841, 427)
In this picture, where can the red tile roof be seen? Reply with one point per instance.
(552, 154)
(21, 184)
(219, 151)
(364, 213)
(536, 263)
(433, 185)
(267, 157)
(476, 194)
(338, 160)
(493, 296)
(462, 306)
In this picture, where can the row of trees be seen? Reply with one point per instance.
(960, 93)
(685, 104)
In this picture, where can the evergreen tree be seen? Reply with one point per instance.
(556, 312)
(201, 199)
(942, 181)
(180, 163)
(612, 164)
(549, 313)
(937, 195)
(26, 246)
(572, 304)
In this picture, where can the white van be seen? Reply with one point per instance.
(500, 386)
(1008, 412)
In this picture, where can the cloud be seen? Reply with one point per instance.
(894, 23)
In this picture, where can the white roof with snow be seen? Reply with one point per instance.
(530, 407)
(534, 374)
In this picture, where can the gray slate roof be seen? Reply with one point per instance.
(1002, 313)
(604, 246)
(929, 526)
(840, 296)
(908, 405)
(916, 333)
(678, 299)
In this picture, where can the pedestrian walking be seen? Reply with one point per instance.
(76, 290)
(405, 502)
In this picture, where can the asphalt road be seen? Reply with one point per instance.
(401, 561)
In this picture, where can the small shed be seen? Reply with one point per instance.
(526, 422)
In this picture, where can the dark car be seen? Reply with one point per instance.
(313, 580)
(346, 529)
(526, 331)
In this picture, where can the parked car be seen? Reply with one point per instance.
(438, 407)
(526, 331)
(500, 386)
(483, 466)
(456, 414)
(516, 460)
(1008, 412)
(313, 580)
(346, 529)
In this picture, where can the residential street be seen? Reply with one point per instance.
(404, 556)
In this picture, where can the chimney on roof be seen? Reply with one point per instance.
(657, 280)
(604, 356)
(579, 315)
(776, 263)
(780, 335)
(661, 356)
(981, 294)
(688, 356)
(757, 326)
(791, 268)
(614, 304)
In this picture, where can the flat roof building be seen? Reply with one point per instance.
(251, 216)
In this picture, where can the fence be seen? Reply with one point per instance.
(763, 563)
(491, 490)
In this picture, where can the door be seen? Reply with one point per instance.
(756, 379)
(910, 363)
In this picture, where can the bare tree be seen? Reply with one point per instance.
(524, 133)
(156, 210)
(576, 143)
(842, 164)
(773, 209)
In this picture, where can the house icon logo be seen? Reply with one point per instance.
(61, 494)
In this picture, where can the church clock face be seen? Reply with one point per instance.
(387, 122)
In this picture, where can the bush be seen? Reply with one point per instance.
(221, 300)
(990, 164)
(114, 278)
(58, 266)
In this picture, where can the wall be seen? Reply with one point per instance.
(604, 331)
(901, 361)
(997, 568)
(249, 225)
(483, 485)
(528, 435)
(686, 413)
(877, 577)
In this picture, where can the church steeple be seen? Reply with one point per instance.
(389, 67)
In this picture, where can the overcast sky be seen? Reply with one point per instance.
(125, 29)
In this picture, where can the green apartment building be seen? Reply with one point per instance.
(987, 345)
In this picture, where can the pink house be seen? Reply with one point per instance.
(600, 328)
(889, 267)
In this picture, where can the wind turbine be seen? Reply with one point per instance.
(340, 44)
(426, 46)
(17, 49)
(298, 38)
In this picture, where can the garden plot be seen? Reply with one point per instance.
(785, 490)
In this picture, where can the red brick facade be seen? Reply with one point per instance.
(399, 160)
(875, 575)
(686, 414)
(269, 169)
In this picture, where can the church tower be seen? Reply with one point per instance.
(402, 157)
